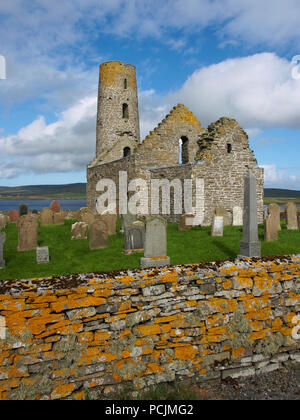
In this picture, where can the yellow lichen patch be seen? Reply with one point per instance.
(255, 304)
(238, 352)
(223, 305)
(244, 282)
(227, 284)
(259, 335)
(186, 352)
(169, 277)
(228, 270)
(145, 330)
(153, 368)
(259, 315)
(62, 391)
(277, 324)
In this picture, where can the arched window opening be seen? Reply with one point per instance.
(183, 150)
(229, 148)
(125, 111)
(126, 151)
(125, 83)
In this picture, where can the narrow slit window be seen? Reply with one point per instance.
(126, 151)
(183, 150)
(125, 83)
(229, 148)
(125, 111)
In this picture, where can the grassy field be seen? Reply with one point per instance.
(184, 247)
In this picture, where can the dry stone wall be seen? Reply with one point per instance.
(92, 333)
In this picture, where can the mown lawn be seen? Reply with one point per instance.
(66, 256)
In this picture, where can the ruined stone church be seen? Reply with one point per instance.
(178, 148)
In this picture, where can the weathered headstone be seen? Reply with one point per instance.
(155, 251)
(23, 209)
(186, 221)
(291, 216)
(98, 234)
(217, 226)
(3, 221)
(27, 232)
(237, 216)
(271, 228)
(13, 215)
(127, 220)
(58, 218)
(87, 216)
(2, 241)
(42, 255)
(55, 206)
(274, 211)
(134, 238)
(79, 230)
(46, 217)
(250, 245)
(110, 220)
(227, 216)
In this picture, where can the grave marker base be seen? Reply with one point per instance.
(154, 262)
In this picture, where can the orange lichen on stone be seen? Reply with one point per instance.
(186, 352)
(238, 352)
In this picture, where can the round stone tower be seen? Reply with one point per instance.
(118, 129)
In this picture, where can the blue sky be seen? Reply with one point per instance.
(220, 58)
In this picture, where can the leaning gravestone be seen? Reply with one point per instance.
(217, 226)
(134, 238)
(98, 235)
(271, 228)
(291, 216)
(250, 245)
(3, 221)
(2, 241)
(186, 221)
(27, 232)
(274, 212)
(46, 217)
(155, 251)
(55, 206)
(13, 215)
(42, 255)
(237, 216)
(79, 230)
(110, 220)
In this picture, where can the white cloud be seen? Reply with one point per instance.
(278, 178)
(257, 90)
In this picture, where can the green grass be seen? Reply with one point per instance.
(184, 247)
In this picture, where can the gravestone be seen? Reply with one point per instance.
(3, 221)
(134, 238)
(98, 234)
(87, 216)
(27, 232)
(13, 215)
(291, 216)
(58, 218)
(46, 217)
(55, 206)
(237, 216)
(23, 209)
(155, 251)
(274, 211)
(2, 241)
(227, 217)
(217, 226)
(79, 230)
(271, 228)
(186, 222)
(42, 255)
(250, 245)
(110, 220)
(127, 220)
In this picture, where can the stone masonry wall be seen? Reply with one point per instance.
(70, 335)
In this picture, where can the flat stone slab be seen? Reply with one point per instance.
(154, 262)
(42, 255)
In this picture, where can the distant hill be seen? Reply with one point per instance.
(78, 191)
(280, 193)
(62, 191)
